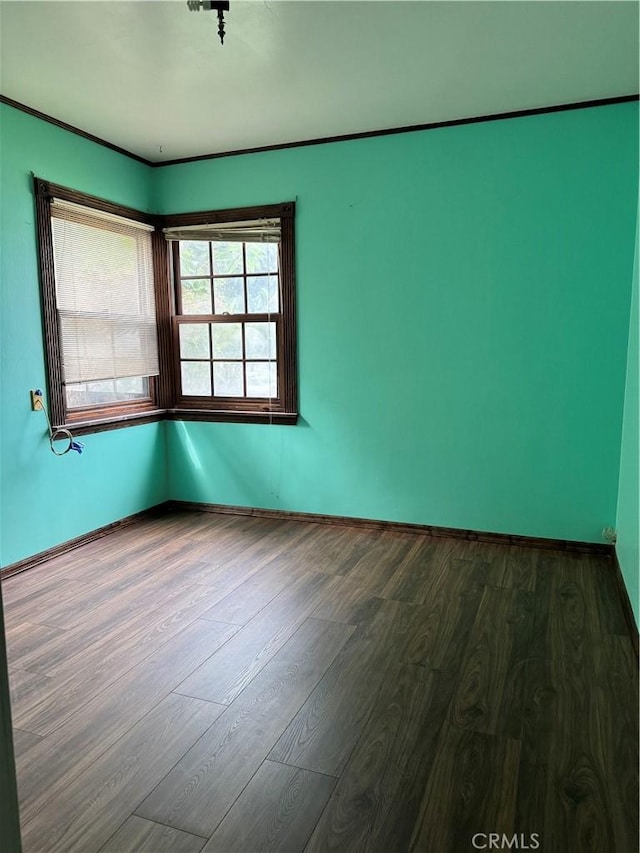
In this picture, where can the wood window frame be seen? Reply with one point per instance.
(164, 401)
(284, 408)
(109, 415)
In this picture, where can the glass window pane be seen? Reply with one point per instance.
(262, 257)
(262, 380)
(105, 391)
(227, 258)
(194, 258)
(227, 340)
(196, 296)
(228, 295)
(262, 294)
(196, 378)
(194, 340)
(227, 379)
(260, 340)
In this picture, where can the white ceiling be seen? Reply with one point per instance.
(151, 75)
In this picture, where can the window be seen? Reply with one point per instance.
(186, 317)
(99, 308)
(233, 326)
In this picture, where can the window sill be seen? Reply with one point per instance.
(122, 421)
(225, 416)
(119, 422)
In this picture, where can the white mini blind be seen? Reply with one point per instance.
(249, 231)
(104, 294)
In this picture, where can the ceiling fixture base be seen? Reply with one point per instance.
(219, 6)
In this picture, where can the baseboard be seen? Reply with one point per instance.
(402, 527)
(72, 544)
(625, 601)
(347, 521)
(317, 518)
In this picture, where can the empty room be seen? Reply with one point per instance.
(319, 426)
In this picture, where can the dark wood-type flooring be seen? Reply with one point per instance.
(202, 682)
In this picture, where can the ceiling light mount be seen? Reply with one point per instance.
(220, 6)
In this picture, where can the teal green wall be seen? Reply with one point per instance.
(628, 522)
(463, 307)
(46, 500)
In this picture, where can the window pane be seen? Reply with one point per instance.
(102, 392)
(194, 340)
(228, 295)
(194, 258)
(227, 258)
(196, 296)
(261, 340)
(262, 380)
(262, 294)
(196, 378)
(262, 257)
(227, 340)
(227, 379)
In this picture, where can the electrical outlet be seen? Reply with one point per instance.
(36, 399)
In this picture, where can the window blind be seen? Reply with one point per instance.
(249, 231)
(104, 294)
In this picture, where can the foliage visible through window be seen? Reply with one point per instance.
(233, 290)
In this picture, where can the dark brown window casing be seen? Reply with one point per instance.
(282, 406)
(165, 400)
(90, 418)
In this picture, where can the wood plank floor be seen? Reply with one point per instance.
(205, 682)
